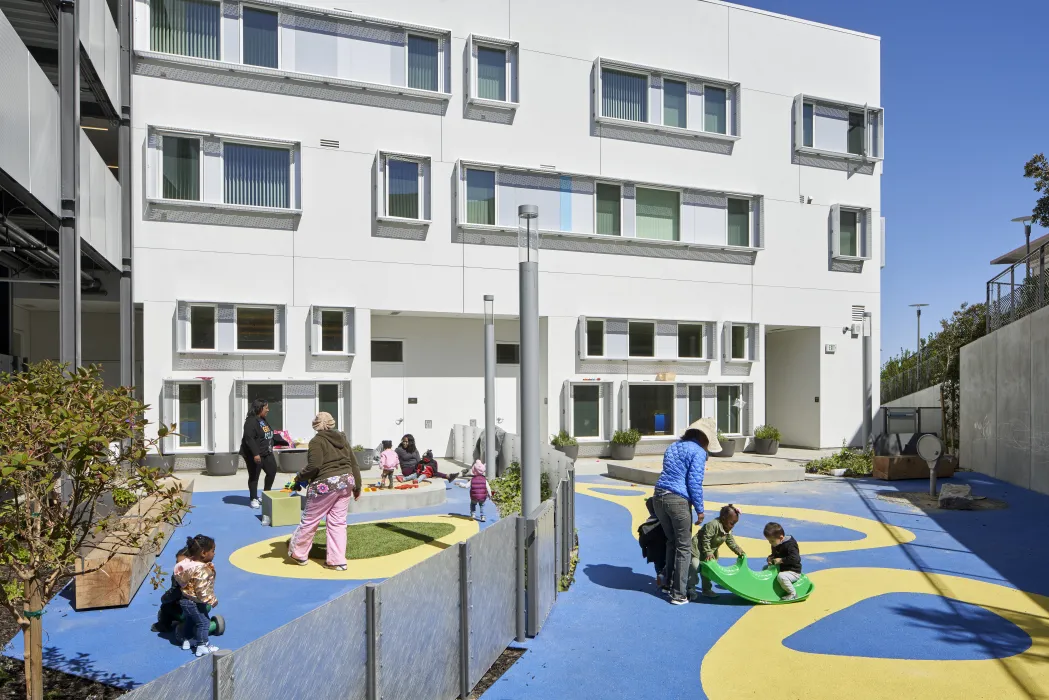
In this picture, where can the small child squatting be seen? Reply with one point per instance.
(705, 544)
(195, 575)
(786, 556)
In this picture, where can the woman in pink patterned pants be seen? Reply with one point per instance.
(333, 477)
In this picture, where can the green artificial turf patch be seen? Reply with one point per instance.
(369, 540)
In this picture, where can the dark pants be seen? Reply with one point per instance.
(675, 515)
(268, 465)
(195, 621)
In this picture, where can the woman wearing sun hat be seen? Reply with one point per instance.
(678, 491)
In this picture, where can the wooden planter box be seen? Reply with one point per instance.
(912, 467)
(118, 580)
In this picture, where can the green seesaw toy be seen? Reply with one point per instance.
(755, 586)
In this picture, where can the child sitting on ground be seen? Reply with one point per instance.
(170, 609)
(388, 462)
(705, 546)
(785, 555)
(195, 575)
(480, 491)
(427, 469)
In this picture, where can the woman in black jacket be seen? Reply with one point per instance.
(256, 447)
(409, 456)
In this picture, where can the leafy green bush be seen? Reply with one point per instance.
(626, 437)
(358, 448)
(854, 462)
(124, 499)
(506, 490)
(563, 439)
(767, 432)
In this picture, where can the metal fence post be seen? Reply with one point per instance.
(373, 624)
(532, 589)
(1012, 293)
(464, 620)
(1041, 276)
(571, 509)
(521, 602)
(222, 675)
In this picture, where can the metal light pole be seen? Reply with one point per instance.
(918, 307)
(1026, 221)
(489, 385)
(69, 178)
(528, 250)
(868, 392)
(127, 307)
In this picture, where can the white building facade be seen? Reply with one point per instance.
(327, 196)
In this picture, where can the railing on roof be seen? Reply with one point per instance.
(1018, 291)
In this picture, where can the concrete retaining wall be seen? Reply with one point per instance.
(924, 398)
(1004, 422)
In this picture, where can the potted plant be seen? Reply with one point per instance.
(623, 444)
(728, 446)
(221, 463)
(364, 456)
(766, 440)
(159, 460)
(563, 442)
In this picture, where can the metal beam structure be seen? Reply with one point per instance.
(127, 302)
(69, 320)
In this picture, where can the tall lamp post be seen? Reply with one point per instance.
(918, 307)
(528, 269)
(1026, 221)
(489, 384)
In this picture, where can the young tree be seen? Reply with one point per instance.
(58, 477)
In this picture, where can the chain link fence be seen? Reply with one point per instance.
(931, 372)
(1018, 291)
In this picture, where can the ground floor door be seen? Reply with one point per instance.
(388, 404)
(507, 398)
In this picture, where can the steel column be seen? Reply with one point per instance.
(529, 419)
(69, 177)
(489, 386)
(127, 302)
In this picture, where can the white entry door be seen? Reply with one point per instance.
(507, 398)
(387, 403)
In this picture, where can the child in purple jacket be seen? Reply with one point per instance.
(480, 491)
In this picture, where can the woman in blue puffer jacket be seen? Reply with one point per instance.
(678, 491)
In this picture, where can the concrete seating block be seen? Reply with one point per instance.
(282, 507)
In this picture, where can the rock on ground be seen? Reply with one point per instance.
(956, 497)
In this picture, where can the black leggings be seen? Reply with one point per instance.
(268, 465)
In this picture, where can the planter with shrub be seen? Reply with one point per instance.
(728, 446)
(624, 442)
(221, 463)
(156, 460)
(364, 456)
(563, 442)
(766, 440)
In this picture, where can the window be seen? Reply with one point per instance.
(807, 110)
(675, 98)
(181, 168)
(185, 27)
(256, 328)
(260, 37)
(739, 342)
(332, 331)
(729, 408)
(273, 394)
(624, 95)
(491, 73)
(695, 404)
(480, 197)
(642, 340)
(715, 110)
(257, 176)
(652, 408)
(739, 222)
(507, 354)
(857, 134)
(586, 411)
(402, 187)
(847, 233)
(387, 351)
(190, 428)
(690, 340)
(202, 328)
(609, 209)
(595, 338)
(422, 63)
(328, 401)
(658, 214)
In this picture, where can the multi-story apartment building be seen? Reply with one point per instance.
(324, 197)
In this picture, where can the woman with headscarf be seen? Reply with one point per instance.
(331, 476)
(408, 453)
(256, 447)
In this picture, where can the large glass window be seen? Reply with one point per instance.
(695, 404)
(185, 27)
(256, 328)
(403, 188)
(422, 63)
(609, 209)
(729, 409)
(595, 338)
(715, 110)
(273, 394)
(491, 73)
(642, 339)
(480, 197)
(332, 327)
(624, 95)
(847, 238)
(181, 171)
(857, 134)
(807, 119)
(675, 99)
(652, 408)
(658, 214)
(260, 37)
(328, 401)
(387, 351)
(190, 428)
(202, 328)
(739, 342)
(586, 411)
(257, 176)
(738, 222)
(690, 340)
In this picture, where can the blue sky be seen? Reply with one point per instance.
(966, 98)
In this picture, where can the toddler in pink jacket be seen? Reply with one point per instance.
(388, 462)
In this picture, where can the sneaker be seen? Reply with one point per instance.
(212, 648)
(675, 600)
(203, 650)
(483, 519)
(256, 503)
(300, 562)
(400, 479)
(185, 645)
(337, 567)
(709, 594)
(793, 596)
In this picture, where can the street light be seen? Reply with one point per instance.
(1026, 221)
(528, 271)
(489, 384)
(918, 307)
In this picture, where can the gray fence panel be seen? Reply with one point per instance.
(190, 681)
(419, 615)
(319, 655)
(559, 512)
(493, 598)
(542, 566)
